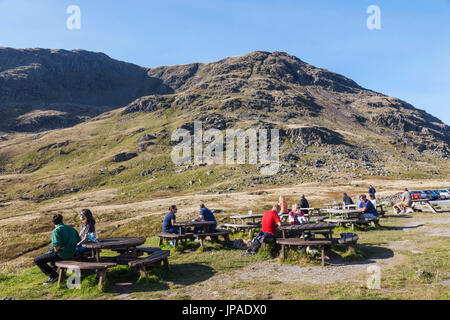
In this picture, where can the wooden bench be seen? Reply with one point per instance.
(213, 235)
(99, 267)
(326, 233)
(353, 221)
(139, 250)
(303, 243)
(152, 260)
(173, 236)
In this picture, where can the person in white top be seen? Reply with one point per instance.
(373, 200)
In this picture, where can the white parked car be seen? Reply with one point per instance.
(444, 193)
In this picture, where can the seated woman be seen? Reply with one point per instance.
(296, 216)
(87, 232)
(169, 220)
(283, 205)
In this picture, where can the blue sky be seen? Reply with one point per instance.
(408, 58)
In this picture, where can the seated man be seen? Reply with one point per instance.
(64, 242)
(270, 220)
(169, 220)
(406, 202)
(367, 208)
(347, 200)
(206, 215)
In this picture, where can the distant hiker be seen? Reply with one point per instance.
(169, 220)
(64, 242)
(270, 220)
(347, 200)
(372, 191)
(283, 205)
(304, 204)
(367, 208)
(206, 215)
(87, 232)
(406, 202)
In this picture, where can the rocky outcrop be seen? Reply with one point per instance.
(308, 136)
(121, 157)
(44, 120)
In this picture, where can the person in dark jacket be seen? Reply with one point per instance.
(372, 191)
(206, 215)
(347, 200)
(304, 204)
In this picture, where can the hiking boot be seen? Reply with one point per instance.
(50, 280)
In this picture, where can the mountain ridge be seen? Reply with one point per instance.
(42, 89)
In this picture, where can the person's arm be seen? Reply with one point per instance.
(277, 220)
(56, 240)
(82, 240)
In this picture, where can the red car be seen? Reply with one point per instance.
(415, 195)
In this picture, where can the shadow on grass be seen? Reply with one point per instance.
(366, 253)
(401, 228)
(189, 273)
(398, 216)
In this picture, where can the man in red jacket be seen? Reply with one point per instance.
(270, 220)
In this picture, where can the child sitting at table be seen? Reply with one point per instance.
(296, 216)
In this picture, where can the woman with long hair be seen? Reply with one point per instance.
(87, 232)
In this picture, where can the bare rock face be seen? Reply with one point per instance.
(36, 78)
(308, 136)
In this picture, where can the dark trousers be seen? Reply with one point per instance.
(43, 260)
(258, 241)
(211, 228)
(175, 230)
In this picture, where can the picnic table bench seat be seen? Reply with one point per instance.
(173, 236)
(99, 267)
(154, 259)
(236, 226)
(213, 235)
(303, 243)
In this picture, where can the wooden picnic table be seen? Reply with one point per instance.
(244, 217)
(114, 243)
(192, 224)
(343, 212)
(306, 227)
(427, 203)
